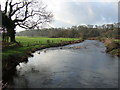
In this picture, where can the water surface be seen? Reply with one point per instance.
(68, 67)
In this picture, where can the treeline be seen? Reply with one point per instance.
(75, 32)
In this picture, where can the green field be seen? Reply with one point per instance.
(32, 42)
(41, 40)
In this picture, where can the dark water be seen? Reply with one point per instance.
(85, 67)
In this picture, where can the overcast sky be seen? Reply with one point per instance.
(76, 12)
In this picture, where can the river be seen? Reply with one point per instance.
(68, 67)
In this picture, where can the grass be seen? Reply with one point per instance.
(117, 40)
(113, 46)
(32, 42)
(41, 40)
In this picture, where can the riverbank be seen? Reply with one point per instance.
(9, 64)
(112, 45)
(27, 43)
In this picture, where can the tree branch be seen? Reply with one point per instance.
(6, 6)
(18, 8)
(27, 14)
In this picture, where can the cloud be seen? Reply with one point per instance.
(76, 13)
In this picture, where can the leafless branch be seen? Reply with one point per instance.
(27, 14)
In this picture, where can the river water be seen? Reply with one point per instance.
(68, 67)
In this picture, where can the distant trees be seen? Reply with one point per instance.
(82, 31)
(28, 14)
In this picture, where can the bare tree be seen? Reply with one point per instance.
(28, 14)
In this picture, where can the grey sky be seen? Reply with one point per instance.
(76, 12)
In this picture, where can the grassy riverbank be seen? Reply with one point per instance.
(28, 43)
(113, 46)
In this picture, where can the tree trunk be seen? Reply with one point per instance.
(12, 35)
(12, 38)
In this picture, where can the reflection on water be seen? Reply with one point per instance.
(86, 67)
